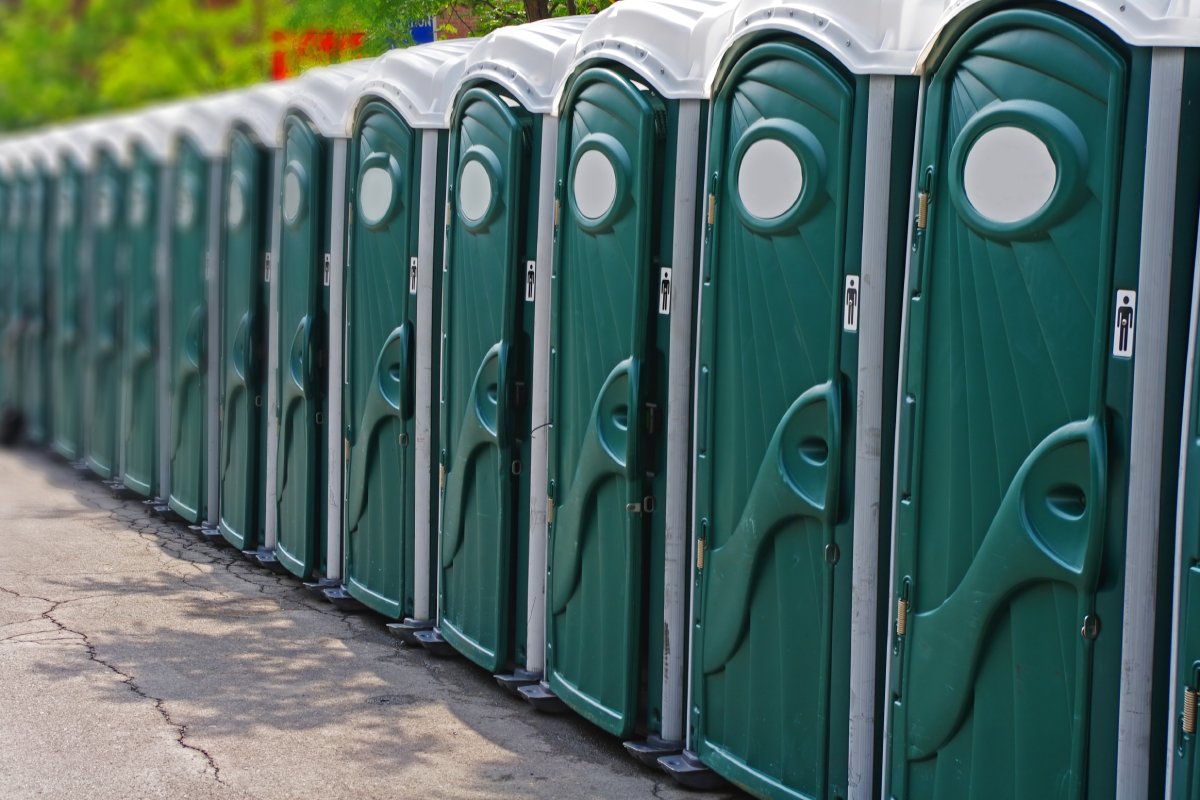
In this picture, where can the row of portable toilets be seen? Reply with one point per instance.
(795, 390)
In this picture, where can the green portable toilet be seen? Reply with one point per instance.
(199, 131)
(67, 341)
(1053, 224)
(146, 219)
(382, 398)
(250, 204)
(16, 158)
(630, 157)
(302, 362)
(809, 163)
(1183, 767)
(500, 237)
(104, 283)
(30, 313)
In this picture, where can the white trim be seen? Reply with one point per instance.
(901, 376)
(425, 522)
(334, 454)
(1134, 721)
(212, 380)
(873, 280)
(271, 521)
(539, 439)
(679, 405)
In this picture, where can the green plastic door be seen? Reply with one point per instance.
(600, 440)
(301, 486)
(774, 433)
(380, 351)
(67, 340)
(1009, 472)
(246, 231)
(32, 318)
(104, 333)
(140, 307)
(188, 451)
(1186, 778)
(484, 294)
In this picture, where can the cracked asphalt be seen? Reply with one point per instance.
(137, 661)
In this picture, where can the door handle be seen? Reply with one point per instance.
(1049, 527)
(609, 448)
(797, 478)
(483, 426)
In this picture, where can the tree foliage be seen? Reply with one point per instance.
(66, 58)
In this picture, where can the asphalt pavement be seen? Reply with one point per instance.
(138, 661)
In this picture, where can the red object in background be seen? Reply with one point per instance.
(294, 52)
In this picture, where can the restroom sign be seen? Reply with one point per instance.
(850, 309)
(530, 280)
(664, 291)
(1124, 321)
(412, 276)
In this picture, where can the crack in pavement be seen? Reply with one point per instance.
(127, 679)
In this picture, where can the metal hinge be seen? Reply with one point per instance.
(712, 208)
(1190, 696)
(901, 616)
(441, 476)
(549, 510)
(700, 554)
(557, 206)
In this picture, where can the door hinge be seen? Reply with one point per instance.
(346, 448)
(441, 476)
(549, 510)
(328, 262)
(266, 267)
(712, 208)
(557, 206)
(651, 418)
(901, 616)
(700, 553)
(1190, 696)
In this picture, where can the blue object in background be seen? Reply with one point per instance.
(422, 32)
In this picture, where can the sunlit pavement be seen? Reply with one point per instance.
(138, 661)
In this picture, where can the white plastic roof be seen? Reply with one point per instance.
(672, 44)
(870, 37)
(205, 121)
(149, 129)
(530, 60)
(111, 134)
(260, 109)
(419, 82)
(327, 95)
(71, 142)
(1144, 23)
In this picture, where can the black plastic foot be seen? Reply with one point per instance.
(540, 696)
(519, 678)
(266, 559)
(652, 749)
(341, 599)
(407, 630)
(687, 771)
(432, 641)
